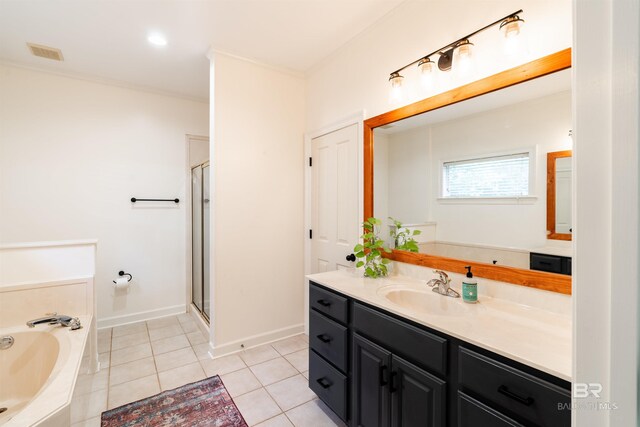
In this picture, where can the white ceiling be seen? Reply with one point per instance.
(107, 39)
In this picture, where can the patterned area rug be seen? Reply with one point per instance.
(203, 403)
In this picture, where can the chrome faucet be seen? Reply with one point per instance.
(443, 285)
(55, 319)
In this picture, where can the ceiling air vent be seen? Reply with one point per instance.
(46, 52)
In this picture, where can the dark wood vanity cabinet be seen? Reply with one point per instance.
(375, 369)
(389, 391)
(329, 348)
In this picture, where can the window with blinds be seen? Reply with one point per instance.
(495, 176)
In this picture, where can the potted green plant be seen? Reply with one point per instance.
(403, 237)
(370, 251)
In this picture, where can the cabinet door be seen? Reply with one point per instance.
(417, 397)
(370, 376)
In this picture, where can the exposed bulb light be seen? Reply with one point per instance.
(395, 96)
(463, 55)
(458, 55)
(157, 39)
(396, 80)
(427, 71)
(511, 28)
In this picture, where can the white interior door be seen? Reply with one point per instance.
(334, 201)
(563, 195)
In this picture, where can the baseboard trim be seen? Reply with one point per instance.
(255, 340)
(126, 319)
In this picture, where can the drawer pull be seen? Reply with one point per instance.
(324, 383)
(384, 380)
(393, 387)
(324, 338)
(324, 303)
(524, 400)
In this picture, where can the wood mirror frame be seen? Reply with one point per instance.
(529, 71)
(551, 195)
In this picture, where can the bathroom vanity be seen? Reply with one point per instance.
(390, 352)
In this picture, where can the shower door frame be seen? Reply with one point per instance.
(191, 222)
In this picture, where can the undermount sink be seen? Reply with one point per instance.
(423, 300)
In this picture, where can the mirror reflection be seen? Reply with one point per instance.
(559, 201)
(471, 177)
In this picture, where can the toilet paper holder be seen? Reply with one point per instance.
(122, 273)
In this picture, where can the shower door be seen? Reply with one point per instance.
(205, 242)
(200, 294)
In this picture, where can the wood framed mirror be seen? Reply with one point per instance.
(493, 270)
(559, 204)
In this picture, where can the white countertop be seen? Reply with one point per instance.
(537, 338)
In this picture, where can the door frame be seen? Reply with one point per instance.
(352, 119)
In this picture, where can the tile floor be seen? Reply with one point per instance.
(268, 383)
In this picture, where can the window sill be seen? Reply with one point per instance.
(524, 200)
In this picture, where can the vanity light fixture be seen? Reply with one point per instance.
(459, 51)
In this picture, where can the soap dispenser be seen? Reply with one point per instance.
(469, 287)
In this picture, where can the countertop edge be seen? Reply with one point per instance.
(321, 279)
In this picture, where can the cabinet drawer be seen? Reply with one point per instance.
(418, 346)
(550, 263)
(329, 303)
(515, 391)
(329, 339)
(329, 384)
(472, 413)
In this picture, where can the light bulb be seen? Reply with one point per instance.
(396, 80)
(511, 28)
(463, 56)
(395, 96)
(427, 71)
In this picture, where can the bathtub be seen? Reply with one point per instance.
(38, 373)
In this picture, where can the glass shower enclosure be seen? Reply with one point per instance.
(200, 220)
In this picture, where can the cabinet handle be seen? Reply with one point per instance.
(324, 303)
(524, 400)
(383, 376)
(324, 383)
(324, 338)
(393, 386)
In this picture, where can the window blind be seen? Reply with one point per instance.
(495, 176)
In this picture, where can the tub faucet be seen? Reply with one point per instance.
(55, 319)
(442, 283)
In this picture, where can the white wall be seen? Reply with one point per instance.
(355, 77)
(409, 164)
(257, 152)
(72, 154)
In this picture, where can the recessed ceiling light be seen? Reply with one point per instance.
(157, 39)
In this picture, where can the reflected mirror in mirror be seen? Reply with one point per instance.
(472, 176)
(559, 201)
